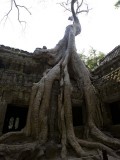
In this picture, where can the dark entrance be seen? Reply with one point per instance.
(15, 118)
(115, 112)
(77, 116)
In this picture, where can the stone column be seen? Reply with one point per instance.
(3, 107)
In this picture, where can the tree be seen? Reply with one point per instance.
(93, 59)
(13, 4)
(117, 4)
(65, 64)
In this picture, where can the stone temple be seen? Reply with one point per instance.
(20, 69)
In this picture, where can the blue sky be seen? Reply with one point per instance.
(46, 25)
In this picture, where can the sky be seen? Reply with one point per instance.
(46, 25)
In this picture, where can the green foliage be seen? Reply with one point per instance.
(93, 59)
(117, 4)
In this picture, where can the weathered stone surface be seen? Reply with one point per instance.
(108, 85)
(19, 70)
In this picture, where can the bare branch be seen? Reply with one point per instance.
(6, 16)
(13, 2)
(64, 5)
(84, 11)
(81, 11)
(18, 9)
(19, 6)
(79, 5)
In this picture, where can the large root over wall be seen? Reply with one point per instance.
(35, 135)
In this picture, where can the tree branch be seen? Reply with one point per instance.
(117, 4)
(17, 6)
(6, 16)
(79, 5)
(65, 5)
(80, 11)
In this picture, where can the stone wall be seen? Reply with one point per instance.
(108, 76)
(18, 71)
(108, 84)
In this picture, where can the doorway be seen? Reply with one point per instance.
(115, 112)
(77, 116)
(15, 118)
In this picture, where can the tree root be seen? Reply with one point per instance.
(9, 135)
(17, 148)
(96, 145)
(27, 151)
(101, 137)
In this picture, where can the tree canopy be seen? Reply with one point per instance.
(93, 58)
(117, 4)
